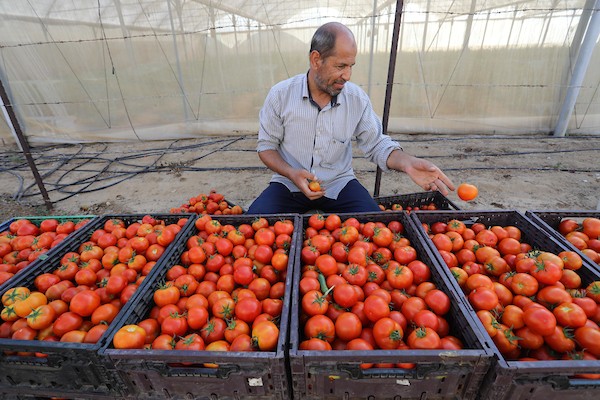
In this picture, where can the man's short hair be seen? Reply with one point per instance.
(324, 38)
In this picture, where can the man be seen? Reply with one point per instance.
(306, 127)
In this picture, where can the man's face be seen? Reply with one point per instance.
(333, 72)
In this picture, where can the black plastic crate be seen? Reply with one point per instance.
(549, 221)
(157, 374)
(73, 370)
(420, 200)
(37, 220)
(522, 380)
(439, 374)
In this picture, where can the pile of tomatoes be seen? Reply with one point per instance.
(399, 207)
(213, 204)
(24, 242)
(531, 302)
(363, 287)
(585, 236)
(78, 300)
(226, 294)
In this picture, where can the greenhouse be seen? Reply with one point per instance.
(258, 199)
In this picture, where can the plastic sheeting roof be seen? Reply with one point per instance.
(86, 70)
(191, 15)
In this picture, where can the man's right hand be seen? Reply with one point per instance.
(301, 179)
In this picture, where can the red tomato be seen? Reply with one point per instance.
(173, 324)
(193, 341)
(387, 333)
(483, 298)
(507, 342)
(321, 327)
(524, 284)
(265, 335)
(105, 313)
(44, 281)
(247, 309)
(589, 339)
(163, 342)
(315, 344)
(130, 337)
(539, 319)
(438, 301)
(314, 303)
(405, 254)
(213, 330)
(166, 294)
(85, 302)
(376, 307)
(560, 340)
(348, 326)
(316, 221)
(400, 277)
(570, 314)
(272, 307)
(345, 295)
(66, 322)
(424, 338)
(152, 328)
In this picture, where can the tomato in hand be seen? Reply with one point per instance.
(314, 186)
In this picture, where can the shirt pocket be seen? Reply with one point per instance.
(337, 153)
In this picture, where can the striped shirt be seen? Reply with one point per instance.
(319, 141)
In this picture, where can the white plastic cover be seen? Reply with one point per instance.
(112, 70)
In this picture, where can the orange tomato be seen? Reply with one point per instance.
(467, 192)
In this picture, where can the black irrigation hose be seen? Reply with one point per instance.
(81, 159)
(21, 181)
(96, 177)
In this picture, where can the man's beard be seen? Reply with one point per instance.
(326, 88)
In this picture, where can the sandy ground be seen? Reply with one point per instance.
(535, 172)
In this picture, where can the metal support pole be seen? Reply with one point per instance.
(584, 55)
(390, 82)
(584, 20)
(8, 109)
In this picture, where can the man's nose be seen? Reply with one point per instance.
(347, 73)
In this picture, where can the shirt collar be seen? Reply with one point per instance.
(306, 94)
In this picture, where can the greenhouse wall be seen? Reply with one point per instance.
(465, 70)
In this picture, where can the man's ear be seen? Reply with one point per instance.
(315, 58)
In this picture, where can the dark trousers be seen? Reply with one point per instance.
(278, 199)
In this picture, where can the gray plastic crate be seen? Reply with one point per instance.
(520, 380)
(439, 374)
